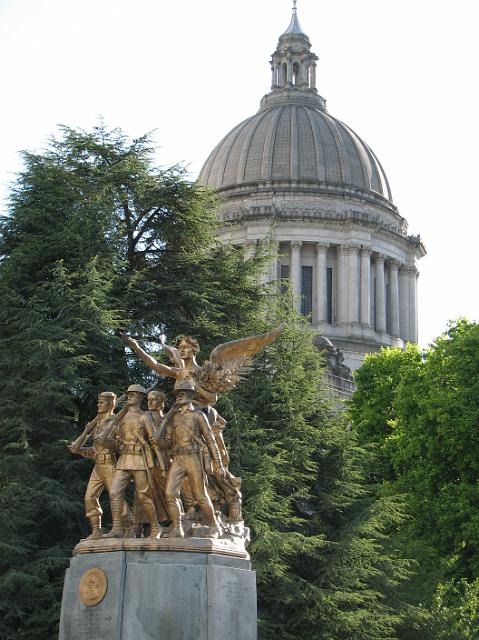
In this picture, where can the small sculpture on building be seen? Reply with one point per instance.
(333, 357)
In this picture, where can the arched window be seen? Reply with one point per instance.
(296, 78)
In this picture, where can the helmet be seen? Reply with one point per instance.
(108, 395)
(137, 388)
(184, 385)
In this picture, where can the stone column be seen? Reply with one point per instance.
(353, 285)
(394, 297)
(380, 294)
(342, 286)
(365, 312)
(273, 79)
(304, 73)
(313, 76)
(321, 282)
(272, 268)
(413, 275)
(296, 272)
(404, 303)
(289, 78)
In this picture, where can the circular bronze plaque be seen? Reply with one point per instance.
(93, 586)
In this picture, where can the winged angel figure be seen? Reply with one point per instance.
(227, 365)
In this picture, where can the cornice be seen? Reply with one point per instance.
(333, 223)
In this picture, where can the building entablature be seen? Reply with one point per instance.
(282, 206)
(391, 247)
(306, 191)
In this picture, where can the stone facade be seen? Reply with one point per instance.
(298, 177)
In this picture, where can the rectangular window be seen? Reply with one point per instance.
(329, 294)
(284, 275)
(307, 291)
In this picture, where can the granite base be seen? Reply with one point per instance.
(161, 595)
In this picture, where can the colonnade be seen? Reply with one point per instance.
(369, 289)
(301, 72)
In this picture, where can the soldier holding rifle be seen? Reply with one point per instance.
(188, 436)
(134, 435)
(105, 459)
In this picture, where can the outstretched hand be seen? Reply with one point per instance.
(126, 338)
(73, 447)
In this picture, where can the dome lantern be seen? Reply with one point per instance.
(293, 64)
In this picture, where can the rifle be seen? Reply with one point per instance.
(80, 441)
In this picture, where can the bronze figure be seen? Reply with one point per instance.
(105, 460)
(134, 435)
(188, 438)
(178, 461)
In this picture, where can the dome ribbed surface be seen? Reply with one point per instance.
(294, 143)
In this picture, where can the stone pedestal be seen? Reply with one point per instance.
(161, 594)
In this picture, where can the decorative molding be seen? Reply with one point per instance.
(393, 263)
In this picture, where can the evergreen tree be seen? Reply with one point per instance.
(97, 238)
(320, 548)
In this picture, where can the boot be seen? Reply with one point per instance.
(95, 522)
(134, 531)
(176, 530)
(117, 529)
(155, 532)
(150, 513)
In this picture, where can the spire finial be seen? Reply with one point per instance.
(294, 26)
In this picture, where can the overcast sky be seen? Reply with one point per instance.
(402, 73)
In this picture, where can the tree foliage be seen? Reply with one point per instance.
(97, 238)
(426, 429)
(320, 549)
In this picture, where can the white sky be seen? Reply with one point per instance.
(402, 73)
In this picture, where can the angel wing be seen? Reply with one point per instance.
(244, 348)
(230, 362)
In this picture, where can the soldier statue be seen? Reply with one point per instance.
(134, 435)
(105, 459)
(156, 405)
(188, 438)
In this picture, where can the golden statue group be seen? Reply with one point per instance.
(178, 462)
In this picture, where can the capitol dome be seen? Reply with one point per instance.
(294, 175)
(293, 139)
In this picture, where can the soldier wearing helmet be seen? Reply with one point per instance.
(134, 435)
(102, 475)
(188, 436)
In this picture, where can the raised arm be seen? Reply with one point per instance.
(150, 362)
